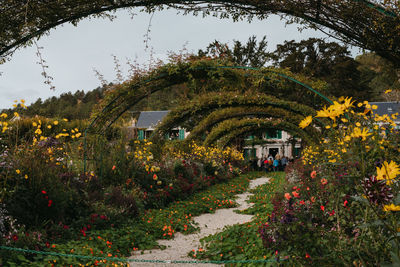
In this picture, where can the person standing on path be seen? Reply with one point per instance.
(275, 165)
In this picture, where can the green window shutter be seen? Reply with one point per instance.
(279, 135)
(141, 135)
(181, 134)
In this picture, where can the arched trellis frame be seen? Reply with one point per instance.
(357, 22)
(239, 112)
(228, 139)
(172, 74)
(227, 126)
(218, 107)
(131, 93)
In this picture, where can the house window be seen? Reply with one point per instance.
(273, 134)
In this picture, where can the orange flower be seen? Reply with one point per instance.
(324, 181)
(288, 196)
(313, 174)
(312, 199)
(295, 194)
(113, 167)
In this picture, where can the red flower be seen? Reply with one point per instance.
(332, 213)
(113, 167)
(288, 196)
(345, 203)
(302, 202)
(313, 174)
(324, 181)
(322, 208)
(295, 194)
(14, 237)
(307, 256)
(44, 192)
(50, 202)
(47, 244)
(66, 227)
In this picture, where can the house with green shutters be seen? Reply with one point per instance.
(272, 142)
(148, 121)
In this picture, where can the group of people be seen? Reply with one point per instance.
(269, 163)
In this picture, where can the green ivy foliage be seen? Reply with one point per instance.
(228, 126)
(234, 112)
(201, 77)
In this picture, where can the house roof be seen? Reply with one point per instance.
(388, 108)
(150, 119)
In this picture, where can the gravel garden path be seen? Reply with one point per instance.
(210, 223)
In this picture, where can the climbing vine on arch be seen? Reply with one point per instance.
(203, 76)
(227, 126)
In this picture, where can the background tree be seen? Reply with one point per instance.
(328, 61)
(251, 54)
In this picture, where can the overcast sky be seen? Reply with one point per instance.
(73, 52)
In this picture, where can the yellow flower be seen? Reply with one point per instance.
(34, 124)
(333, 111)
(374, 107)
(65, 119)
(55, 122)
(357, 132)
(391, 207)
(49, 126)
(26, 176)
(388, 91)
(305, 122)
(388, 172)
(3, 115)
(17, 171)
(16, 114)
(347, 103)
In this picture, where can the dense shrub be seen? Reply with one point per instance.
(341, 204)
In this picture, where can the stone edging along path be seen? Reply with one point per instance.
(210, 223)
